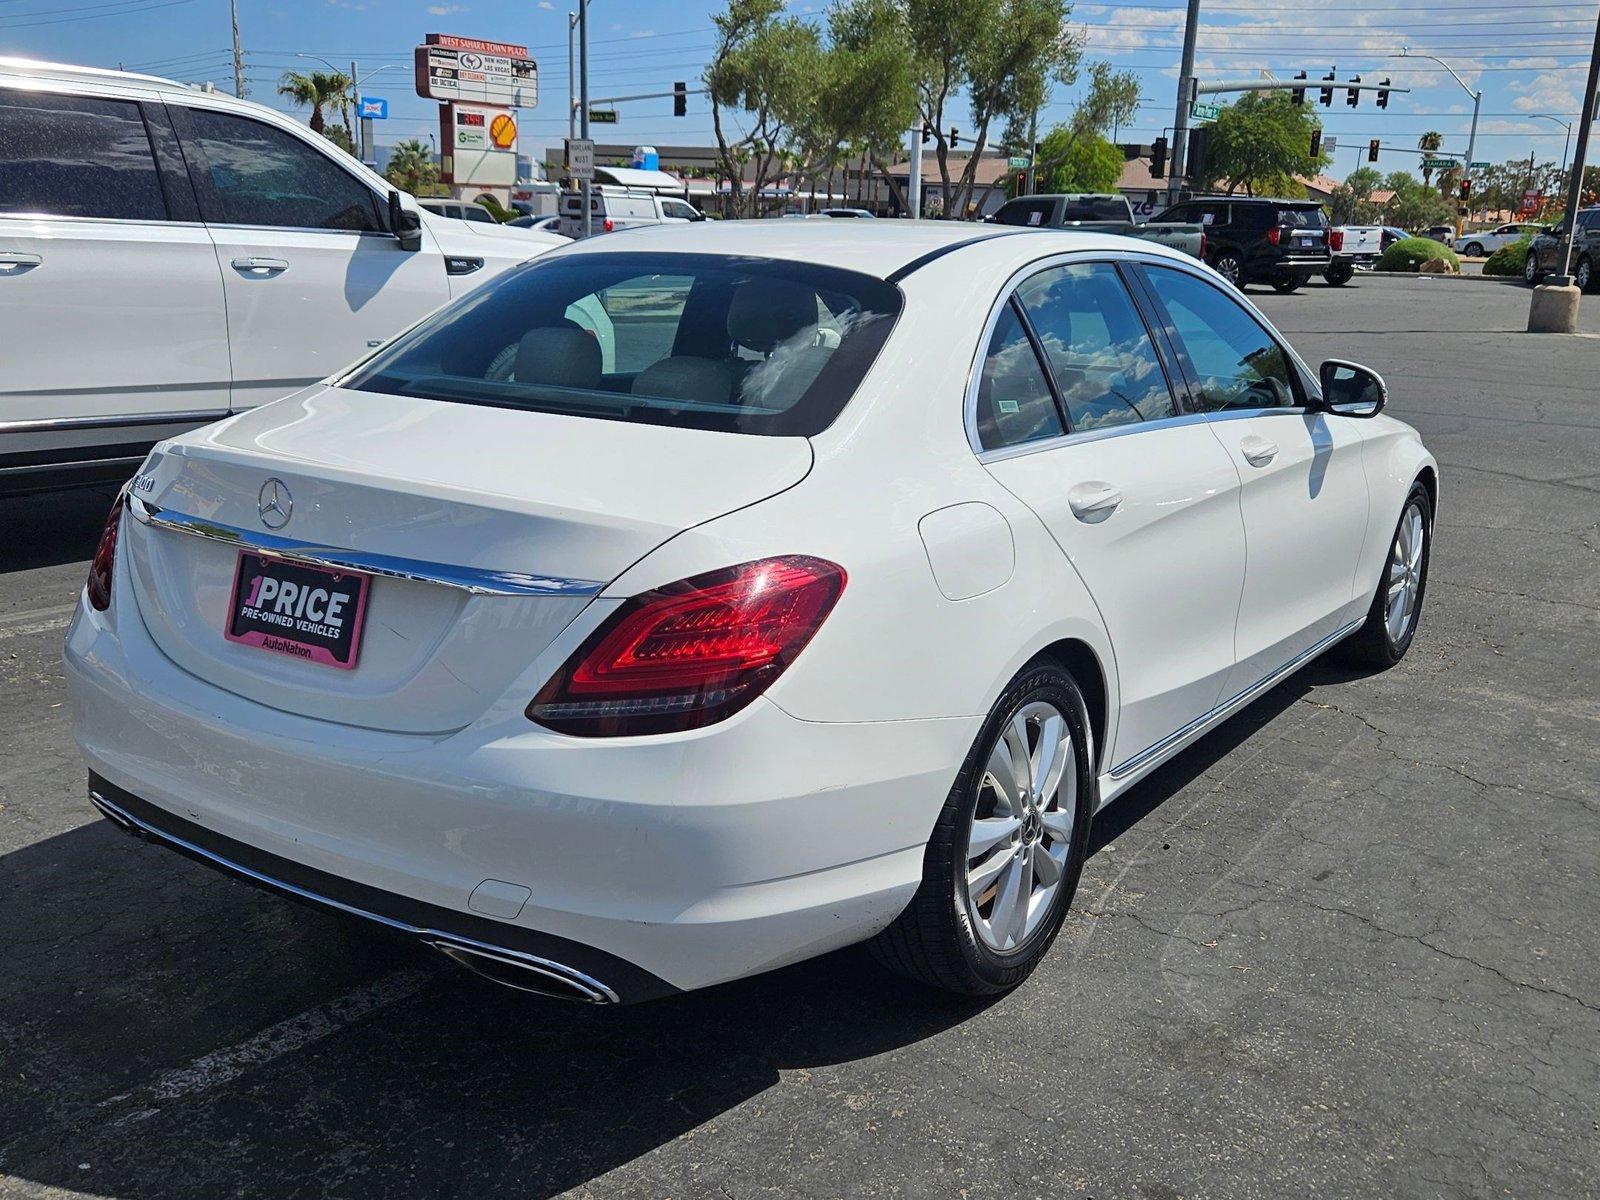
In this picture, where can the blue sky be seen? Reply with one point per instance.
(1527, 56)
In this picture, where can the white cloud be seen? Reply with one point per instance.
(444, 10)
(643, 33)
(546, 5)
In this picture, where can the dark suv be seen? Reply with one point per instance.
(1544, 252)
(1252, 239)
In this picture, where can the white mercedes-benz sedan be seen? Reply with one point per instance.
(679, 606)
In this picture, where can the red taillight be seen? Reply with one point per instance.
(691, 653)
(1202, 245)
(105, 558)
(609, 225)
(1336, 240)
(1274, 234)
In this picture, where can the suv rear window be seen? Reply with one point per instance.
(1025, 212)
(1303, 218)
(694, 341)
(1095, 208)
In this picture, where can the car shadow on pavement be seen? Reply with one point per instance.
(169, 1031)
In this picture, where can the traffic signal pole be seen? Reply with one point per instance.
(1575, 181)
(1186, 94)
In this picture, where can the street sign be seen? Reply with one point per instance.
(1205, 112)
(1479, 166)
(1438, 164)
(602, 116)
(373, 108)
(1017, 162)
(500, 73)
(1330, 143)
(580, 158)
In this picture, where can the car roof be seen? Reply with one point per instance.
(889, 249)
(69, 73)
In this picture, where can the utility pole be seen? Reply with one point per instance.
(357, 134)
(572, 66)
(583, 102)
(238, 53)
(1033, 153)
(1180, 123)
(1579, 157)
(914, 176)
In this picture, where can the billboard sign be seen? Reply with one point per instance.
(452, 68)
(480, 145)
(373, 108)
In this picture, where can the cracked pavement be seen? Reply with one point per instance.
(1345, 946)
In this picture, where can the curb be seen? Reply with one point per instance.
(1480, 278)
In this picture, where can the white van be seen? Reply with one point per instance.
(623, 208)
(169, 256)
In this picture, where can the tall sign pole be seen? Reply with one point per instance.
(583, 103)
(572, 66)
(1186, 95)
(914, 176)
(1581, 156)
(238, 53)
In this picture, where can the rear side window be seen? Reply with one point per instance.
(1098, 348)
(72, 156)
(264, 176)
(1025, 212)
(696, 341)
(1015, 404)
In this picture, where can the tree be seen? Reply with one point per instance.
(1112, 99)
(1003, 55)
(1260, 143)
(411, 167)
(1089, 164)
(1429, 143)
(1352, 203)
(318, 90)
(1414, 205)
(337, 135)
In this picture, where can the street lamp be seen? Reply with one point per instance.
(1566, 145)
(1477, 101)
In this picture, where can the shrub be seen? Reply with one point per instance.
(1508, 260)
(1408, 254)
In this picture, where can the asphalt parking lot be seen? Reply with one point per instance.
(1345, 946)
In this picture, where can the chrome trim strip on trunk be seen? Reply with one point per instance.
(1128, 766)
(478, 581)
(580, 983)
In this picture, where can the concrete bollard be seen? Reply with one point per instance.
(1554, 309)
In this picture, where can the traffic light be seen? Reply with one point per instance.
(1466, 189)
(1383, 94)
(1020, 182)
(680, 99)
(1158, 158)
(1327, 93)
(927, 133)
(1372, 150)
(955, 139)
(1195, 162)
(1316, 142)
(1353, 95)
(1299, 93)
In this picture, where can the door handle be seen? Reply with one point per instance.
(1258, 451)
(1094, 501)
(14, 262)
(260, 266)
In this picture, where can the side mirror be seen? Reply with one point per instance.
(1351, 390)
(405, 223)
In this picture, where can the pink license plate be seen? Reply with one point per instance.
(305, 612)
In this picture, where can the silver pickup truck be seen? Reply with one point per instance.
(1102, 212)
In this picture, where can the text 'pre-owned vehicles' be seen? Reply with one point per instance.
(1098, 213)
(1252, 239)
(1544, 252)
(168, 256)
(682, 605)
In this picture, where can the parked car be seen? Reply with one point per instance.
(169, 256)
(1445, 234)
(458, 210)
(576, 634)
(614, 208)
(1258, 239)
(1390, 236)
(1354, 247)
(1487, 241)
(543, 224)
(843, 212)
(1096, 212)
(1545, 250)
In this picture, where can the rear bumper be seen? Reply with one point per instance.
(651, 864)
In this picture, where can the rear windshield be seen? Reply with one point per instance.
(1025, 212)
(1302, 218)
(1095, 208)
(697, 341)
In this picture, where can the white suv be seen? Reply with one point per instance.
(169, 256)
(623, 208)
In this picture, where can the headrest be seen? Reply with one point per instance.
(766, 312)
(686, 378)
(558, 356)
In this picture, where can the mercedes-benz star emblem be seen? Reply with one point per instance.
(274, 503)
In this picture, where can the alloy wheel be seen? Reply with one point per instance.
(1582, 275)
(1021, 830)
(1229, 268)
(1405, 573)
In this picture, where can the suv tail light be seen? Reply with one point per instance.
(1203, 246)
(1336, 240)
(609, 227)
(1275, 234)
(691, 653)
(104, 560)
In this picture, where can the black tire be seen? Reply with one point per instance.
(1372, 644)
(1531, 275)
(933, 940)
(1230, 266)
(1583, 275)
(1339, 274)
(1284, 284)
(1474, 250)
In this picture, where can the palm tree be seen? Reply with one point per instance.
(319, 90)
(411, 166)
(1429, 143)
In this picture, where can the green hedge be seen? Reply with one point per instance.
(1410, 253)
(1509, 260)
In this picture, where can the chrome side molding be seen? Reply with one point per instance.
(478, 581)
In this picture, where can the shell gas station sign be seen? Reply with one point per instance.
(479, 85)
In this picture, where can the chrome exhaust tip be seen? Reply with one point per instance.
(114, 814)
(525, 973)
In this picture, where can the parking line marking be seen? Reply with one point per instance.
(38, 620)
